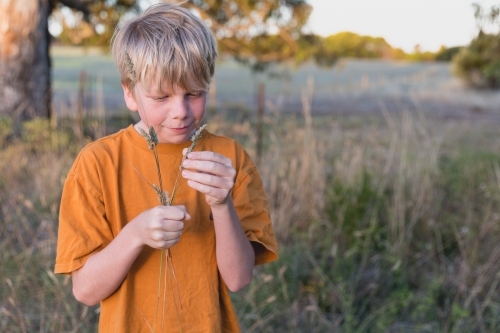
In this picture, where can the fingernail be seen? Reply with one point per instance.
(184, 173)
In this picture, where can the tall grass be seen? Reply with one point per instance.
(385, 224)
(33, 169)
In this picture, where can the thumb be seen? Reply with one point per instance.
(187, 217)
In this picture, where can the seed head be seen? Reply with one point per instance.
(153, 135)
(195, 137)
(163, 197)
(149, 139)
(130, 67)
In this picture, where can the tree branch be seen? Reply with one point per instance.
(80, 5)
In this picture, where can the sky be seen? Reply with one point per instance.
(403, 23)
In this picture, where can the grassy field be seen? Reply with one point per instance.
(387, 221)
(352, 86)
(385, 225)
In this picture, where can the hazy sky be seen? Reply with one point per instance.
(403, 23)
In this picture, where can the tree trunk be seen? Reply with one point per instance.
(24, 59)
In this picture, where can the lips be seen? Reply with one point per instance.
(179, 128)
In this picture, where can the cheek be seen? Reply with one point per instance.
(198, 107)
(154, 113)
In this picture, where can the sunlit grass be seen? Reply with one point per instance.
(386, 224)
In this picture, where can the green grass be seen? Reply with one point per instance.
(384, 225)
(352, 85)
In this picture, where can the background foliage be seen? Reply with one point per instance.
(479, 62)
(384, 225)
(257, 33)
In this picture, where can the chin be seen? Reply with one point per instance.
(176, 140)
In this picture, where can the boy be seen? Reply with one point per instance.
(111, 227)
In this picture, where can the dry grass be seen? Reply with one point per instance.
(385, 225)
(32, 298)
(165, 199)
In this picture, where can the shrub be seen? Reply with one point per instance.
(479, 62)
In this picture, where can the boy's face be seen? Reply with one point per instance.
(174, 114)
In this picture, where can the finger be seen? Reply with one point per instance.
(210, 167)
(210, 156)
(164, 244)
(209, 179)
(218, 193)
(178, 213)
(172, 235)
(166, 236)
(184, 210)
(171, 226)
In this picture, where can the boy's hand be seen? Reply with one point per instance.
(210, 173)
(161, 227)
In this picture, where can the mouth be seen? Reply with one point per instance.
(180, 129)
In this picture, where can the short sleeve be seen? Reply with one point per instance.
(251, 205)
(83, 229)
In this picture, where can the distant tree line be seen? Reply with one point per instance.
(258, 33)
(255, 34)
(479, 62)
(264, 32)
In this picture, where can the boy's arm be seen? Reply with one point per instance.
(104, 271)
(235, 255)
(213, 175)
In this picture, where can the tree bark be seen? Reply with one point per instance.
(24, 59)
(25, 68)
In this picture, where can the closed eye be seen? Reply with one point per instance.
(197, 94)
(160, 98)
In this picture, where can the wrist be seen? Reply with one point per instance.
(222, 206)
(132, 235)
(224, 211)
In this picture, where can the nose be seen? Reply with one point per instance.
(180, 109)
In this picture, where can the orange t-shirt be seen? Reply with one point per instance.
(108, 186)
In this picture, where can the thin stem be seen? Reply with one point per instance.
(144, 317)
(173, 295)
(157, 161)
(159, 289)
(175, 186)
(164, 290)
(194, 139)
(175, 278)
(137, 171)
(152, 139)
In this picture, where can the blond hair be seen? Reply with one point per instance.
(166, 44)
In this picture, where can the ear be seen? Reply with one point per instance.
(129, 97)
